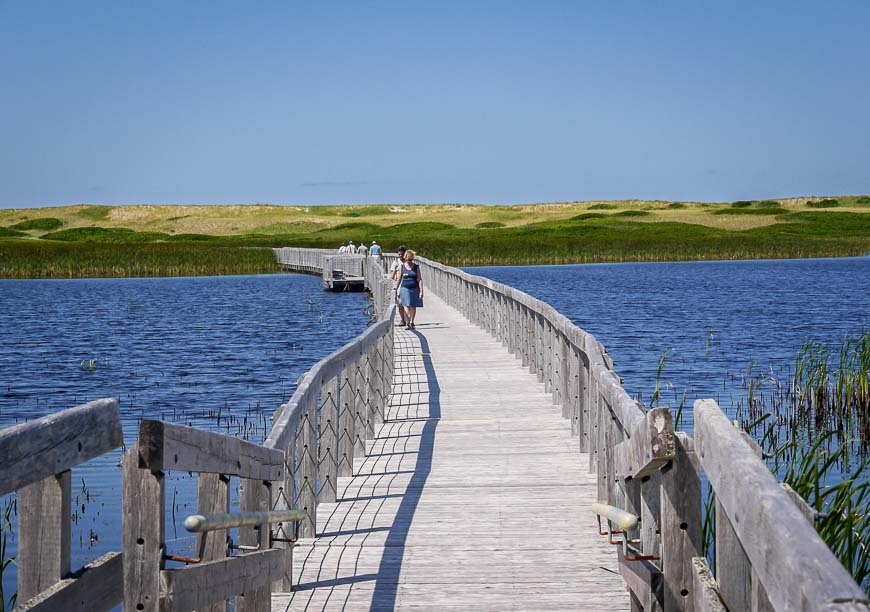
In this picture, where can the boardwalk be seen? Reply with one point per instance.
(472, 494)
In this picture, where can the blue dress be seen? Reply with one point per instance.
(410, 289)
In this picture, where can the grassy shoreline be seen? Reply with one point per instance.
(104, 241)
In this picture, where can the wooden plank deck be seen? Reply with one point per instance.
(472, 496)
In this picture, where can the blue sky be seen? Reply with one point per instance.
(489, 102)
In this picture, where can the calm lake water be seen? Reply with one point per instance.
(186, 349)
(716, 317)
(178, 349)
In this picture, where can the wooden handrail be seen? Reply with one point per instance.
(36, 459)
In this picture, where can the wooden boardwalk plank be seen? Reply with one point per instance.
(472, 496)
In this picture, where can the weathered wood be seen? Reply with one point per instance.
(680, 524)
(46, 446)
(644, 580)
(650, 446)
(778, 540)
(165, 446)
(143, 528)
(97, 587)
(650, 513)
(327, 448)
(254, 496)
(44, 534)
(306, 498)
(212, 497)
(706, 597)
(197, 586)
(733, 572)
(346, 422)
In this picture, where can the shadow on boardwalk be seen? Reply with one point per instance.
(385, 478)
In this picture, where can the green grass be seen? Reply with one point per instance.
(5, 232)
(749, 211)
(826, 203)
(485, 235)
(632, 213)
(95, 213)
(40, 223)
(676, 206)
(54, 259)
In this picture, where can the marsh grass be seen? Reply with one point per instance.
(826, 203)
(813, 430)
(587, 237)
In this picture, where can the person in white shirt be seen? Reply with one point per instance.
(342, 248)
(350, 248)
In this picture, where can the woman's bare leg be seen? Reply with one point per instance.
(412, 312)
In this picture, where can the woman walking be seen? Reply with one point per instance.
(410, 287)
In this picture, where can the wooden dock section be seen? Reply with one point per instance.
(472, 495)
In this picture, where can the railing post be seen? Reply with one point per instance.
(143, 528)
(680, 525)
(255, 496)
(346, 421)
(306, 464)
(213, 497)
(327, 448)
(594, 421)
(44, 532)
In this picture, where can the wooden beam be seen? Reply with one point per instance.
(643, 579)
(97, 587)
(143, 532)
(165, 446)
(197, 586)
(35, 450)
(680, 525)
(44, 534)
(651, 445)
(778, 540)
(706, 592)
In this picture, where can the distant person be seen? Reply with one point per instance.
(410, 288)
(350, 248)
(395, 268)
(362, 249)
(375, 249)
(342, 248)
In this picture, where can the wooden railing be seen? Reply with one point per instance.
(36, 459)
(314, 439)
(768, 556)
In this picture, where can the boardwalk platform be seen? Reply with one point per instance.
(472, 495)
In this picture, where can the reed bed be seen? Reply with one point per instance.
(47, 259)
(814, 430)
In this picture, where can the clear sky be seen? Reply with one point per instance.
(123, 102)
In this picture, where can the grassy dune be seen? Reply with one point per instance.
(85, 240)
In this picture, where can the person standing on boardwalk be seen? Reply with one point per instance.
(375, 249)
(395, 270)
(362, 249)
(350, 248)
(410, 287)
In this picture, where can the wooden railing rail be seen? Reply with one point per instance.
(36, 459)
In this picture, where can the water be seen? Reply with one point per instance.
(177, 349)
(713, 317)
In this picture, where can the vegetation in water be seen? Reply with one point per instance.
(814, 431)
(9, 507)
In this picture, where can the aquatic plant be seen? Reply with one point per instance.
(10, 506)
